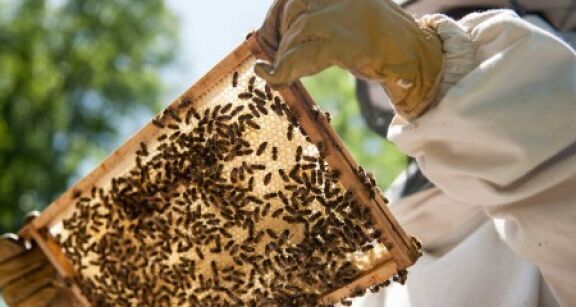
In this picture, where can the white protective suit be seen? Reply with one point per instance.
(500, 145)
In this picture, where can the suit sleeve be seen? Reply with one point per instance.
(503, 136)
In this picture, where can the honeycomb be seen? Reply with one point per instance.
(229, 204)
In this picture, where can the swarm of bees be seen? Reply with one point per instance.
(230, 205)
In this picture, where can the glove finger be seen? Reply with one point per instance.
(269, 33)
(26, 285)
(303, 51)
(16, 267)
(10, 246)
(301, 60)
(293, 10)
(40, 298)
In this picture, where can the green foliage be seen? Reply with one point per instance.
(70, 70)
(334, 91)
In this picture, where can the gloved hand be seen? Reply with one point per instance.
(374, 39)
(27, 278)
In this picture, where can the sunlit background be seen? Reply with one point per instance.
(78, 77)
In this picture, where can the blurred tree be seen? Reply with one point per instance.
(334, 91)
(69, 71)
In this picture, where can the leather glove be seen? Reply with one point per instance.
(26, 276)
(374, 39)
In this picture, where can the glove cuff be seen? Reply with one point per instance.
(412, 95)
(457, 52)
(458, 59)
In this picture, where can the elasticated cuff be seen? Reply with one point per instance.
(458, 51)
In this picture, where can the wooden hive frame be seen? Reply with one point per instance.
(403, 253)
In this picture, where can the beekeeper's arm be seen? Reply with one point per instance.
(491, 119)
(503, 136)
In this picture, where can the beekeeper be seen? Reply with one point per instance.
(487, 107)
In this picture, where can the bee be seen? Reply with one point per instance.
(268, 91)
(294, 174)
(265, 210)
(235, 79)
(226, 108)
(214, 269)
(199, 253)
(284, 236)
(274, 153)
(308, 166)
(184, 102)
(371, 193)
(417, 243)
(254, 110)
(173, 127)
(252, 124)
(289, 219)
(259, 93)
(267, 178)
(237, 260)
(143, 150)
(283, 175)
(247, 248)
(76, 194)
(251, 84)
(298, 154)
(174, 135)
(245, 167)
(367, 247)
(170, 112)
(259, 167)
(234, 249)
(259, 101)
(262, 109)
(335, 175)
(316, 112)
(236, 110)
(245, 96)
(215, 111)
(229, 245)
(313, 178)
(277, 212)
(158, 123)
(261, 148)
(276, 109)
(197, 115)
(290, 133)
(375, 289)
(309, 159)
(361, 173)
